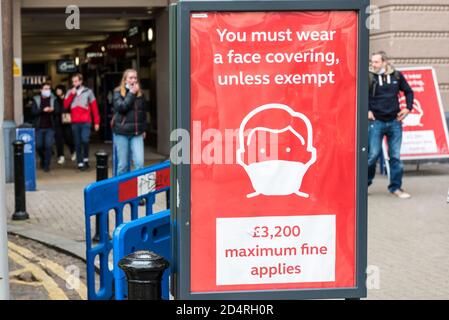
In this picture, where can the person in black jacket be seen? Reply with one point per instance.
(385, 119)
(45, 108)
(129, 122)
(63, 128)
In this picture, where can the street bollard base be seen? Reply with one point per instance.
(143, 271)
(144, 290)
(20, 215)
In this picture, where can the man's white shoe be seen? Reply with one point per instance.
(401, 194)
(61, 160)
(73, 156)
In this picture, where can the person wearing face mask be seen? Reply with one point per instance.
(82, 103)
(45, 107)
(129, 122)
(385, 119)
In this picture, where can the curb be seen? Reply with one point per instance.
(68, 246)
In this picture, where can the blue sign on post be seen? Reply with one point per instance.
(28, 137)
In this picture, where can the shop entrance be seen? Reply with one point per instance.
(109, 41)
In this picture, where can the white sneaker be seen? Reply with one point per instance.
(73, 158)
(61, 160)
(401, 194)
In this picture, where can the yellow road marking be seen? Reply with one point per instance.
(33, 284)
(54, 292)
(51, 265)
(17, 273)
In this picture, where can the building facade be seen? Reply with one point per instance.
(415, 33)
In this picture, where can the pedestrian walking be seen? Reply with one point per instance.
(82, 104)
(129, 122)
(45, 109)
(63, 128)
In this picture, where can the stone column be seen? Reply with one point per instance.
(8, 82)
(8, 86)
(17, 52)
(415, 33)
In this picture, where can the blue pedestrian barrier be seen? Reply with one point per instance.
(110, 196)
(147, 233)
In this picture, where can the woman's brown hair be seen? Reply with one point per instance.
(123, 83)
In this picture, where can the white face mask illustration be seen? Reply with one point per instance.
(275, 177)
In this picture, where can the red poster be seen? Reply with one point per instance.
(273, 150)
(425, 133)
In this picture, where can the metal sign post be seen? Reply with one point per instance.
(269, 156)
(4, 273)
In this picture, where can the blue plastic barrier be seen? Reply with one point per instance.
(113, 194)
(147, 233)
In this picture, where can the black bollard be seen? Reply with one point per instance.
(102, 174)
(102, 165)
(19, 182)
(144, 270)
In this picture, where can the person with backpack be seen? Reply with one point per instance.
(385, 119)
(129, 122)
(45, 108)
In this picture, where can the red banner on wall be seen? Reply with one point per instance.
(273, 151)
(425, 134)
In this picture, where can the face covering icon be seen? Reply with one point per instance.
(276, 177)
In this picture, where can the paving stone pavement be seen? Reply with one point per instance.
(408, 240)
(57, 206)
